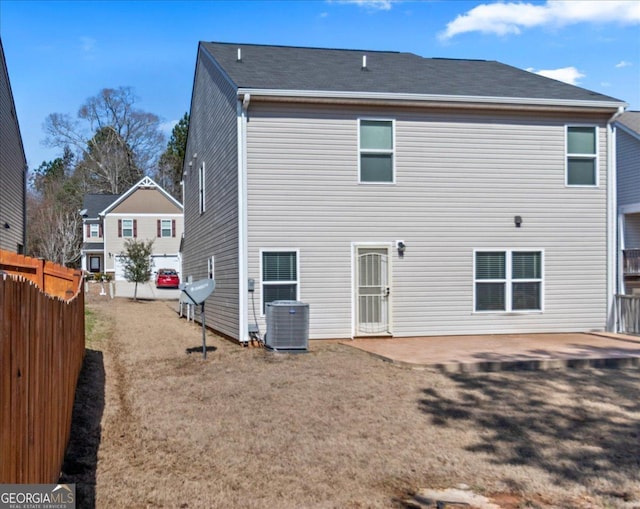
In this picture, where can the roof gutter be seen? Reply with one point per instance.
(613, 256)
(243, 242)
(318, 95)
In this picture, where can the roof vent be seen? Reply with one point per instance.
(239, 59)
(364, 63)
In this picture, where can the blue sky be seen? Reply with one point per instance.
(59, 53)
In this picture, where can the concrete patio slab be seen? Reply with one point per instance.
(506, 351)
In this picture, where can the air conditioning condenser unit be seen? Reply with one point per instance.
(287, 325)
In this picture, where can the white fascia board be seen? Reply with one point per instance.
(386, 96)
(144, 182)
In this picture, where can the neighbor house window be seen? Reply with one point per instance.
(166, 227)
(211, 267)
(582, 156)
(376, 150)
(127, 228)
(94, 231)
(201, 188)
(279, 276)
(508, 280)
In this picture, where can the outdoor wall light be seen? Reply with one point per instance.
(518, 221)
(400, 246)
(6, 226)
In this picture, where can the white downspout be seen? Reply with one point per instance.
(612, 222)
(243, 255)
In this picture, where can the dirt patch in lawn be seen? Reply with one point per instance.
(335, 427)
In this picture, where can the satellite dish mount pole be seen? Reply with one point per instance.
(204, 332)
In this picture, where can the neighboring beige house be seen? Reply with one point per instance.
(13, 169)
(628, 162)
(144, 212)
(398, 195)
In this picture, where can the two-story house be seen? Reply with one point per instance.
(628, 186)
(145, 212)
(13, 169)
(396, 194)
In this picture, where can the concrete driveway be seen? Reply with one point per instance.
(145, 291)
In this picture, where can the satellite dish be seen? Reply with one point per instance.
(83, 212)
(197, 293)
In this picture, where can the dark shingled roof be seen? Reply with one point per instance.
(93, 246)
(96, 203)
(631, 120)
(339, 70)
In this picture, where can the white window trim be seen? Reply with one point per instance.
(595, 157)
(262, 283)
(94, 228)
(202, 188)
(508, 281)
(211, 267)
(373, 151)
(127, 236)
(162, 228)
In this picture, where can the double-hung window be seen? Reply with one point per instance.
(508, 281)
(127, 228)
(582, 156)
(377, 158)
(166, 227)
(94, 231)
(279, 276)
(201, 188)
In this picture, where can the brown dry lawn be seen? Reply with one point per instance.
(156, 426)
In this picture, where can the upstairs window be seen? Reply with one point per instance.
(508, 281)
(279, 276)
(166, 227)
(582, 156)
(127, 228)
(201, 188)
(94, 231)
(376, 151)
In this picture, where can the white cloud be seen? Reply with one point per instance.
(377, 5)
(511, 18)
(623, 63)
(569, 75)
(87, 44)
(167, 127)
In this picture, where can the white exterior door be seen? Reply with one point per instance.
(372, 291)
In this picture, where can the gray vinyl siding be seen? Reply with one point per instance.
(213, 137)
(12, 168)
(632, 231)
(628, 162)
(460, 180)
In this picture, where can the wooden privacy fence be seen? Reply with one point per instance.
(51, 278)
(628, 313)
(41, 354)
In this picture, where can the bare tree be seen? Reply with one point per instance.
(54, 232)
(112, 138)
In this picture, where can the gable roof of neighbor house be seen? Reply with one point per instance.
(96, 203)
(629, 121)
(144, 183)
(287, 68)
